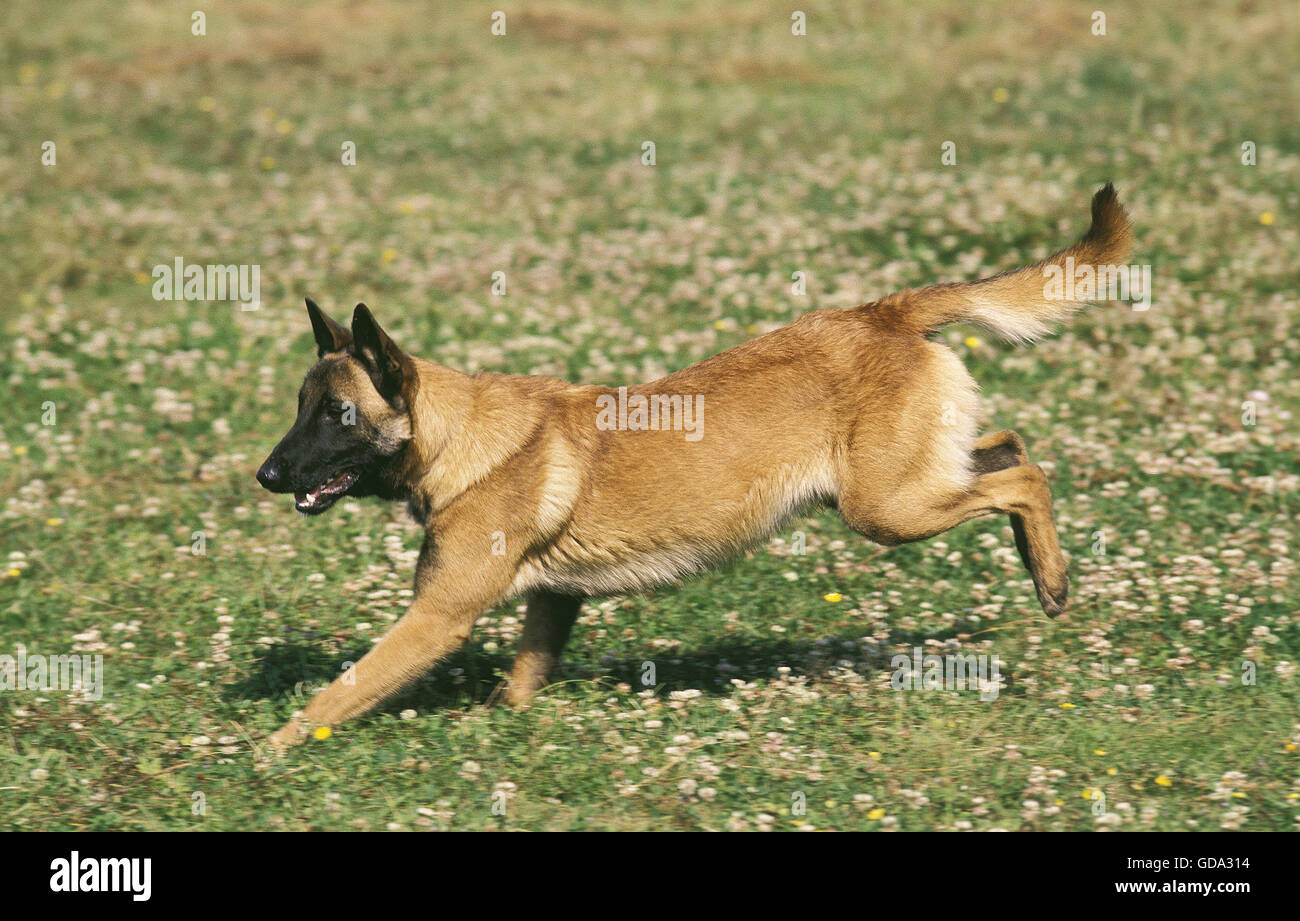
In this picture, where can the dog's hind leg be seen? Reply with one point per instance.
(1020, 491)
(998, 451)
(547, 624)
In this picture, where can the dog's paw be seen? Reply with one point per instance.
(1053, 600)
(286, 737)
(519, 697)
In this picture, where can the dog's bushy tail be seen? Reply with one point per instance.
(1020, 305)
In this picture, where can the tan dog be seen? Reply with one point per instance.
(533, 485)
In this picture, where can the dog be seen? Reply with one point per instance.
(534, 486)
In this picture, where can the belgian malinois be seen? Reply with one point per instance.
(536, 486)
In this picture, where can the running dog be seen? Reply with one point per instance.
(534, 486)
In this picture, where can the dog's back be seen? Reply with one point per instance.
(854, 408)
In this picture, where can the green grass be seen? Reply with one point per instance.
(521, 154)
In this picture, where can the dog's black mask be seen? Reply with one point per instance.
(352, 422)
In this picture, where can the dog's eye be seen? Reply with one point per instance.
(332, 411)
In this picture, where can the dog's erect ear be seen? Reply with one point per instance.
(330, 336)
(388, 366)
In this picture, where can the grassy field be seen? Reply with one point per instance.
(1166, 698)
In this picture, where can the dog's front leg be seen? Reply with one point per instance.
(453, 586)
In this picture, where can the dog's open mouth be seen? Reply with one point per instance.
(317, 500)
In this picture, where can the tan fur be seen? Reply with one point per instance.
(521, 491)
(339, 374)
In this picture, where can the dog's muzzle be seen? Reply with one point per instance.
(269, 476)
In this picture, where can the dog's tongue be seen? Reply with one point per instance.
(339, 484)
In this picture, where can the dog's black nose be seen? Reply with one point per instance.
(269, 475)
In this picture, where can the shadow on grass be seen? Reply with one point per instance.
(473, 676)
(465, 678)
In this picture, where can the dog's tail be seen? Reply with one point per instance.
(1022, 304)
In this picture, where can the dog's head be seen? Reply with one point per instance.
(353, 416)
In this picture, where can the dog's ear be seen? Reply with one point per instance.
(388, 366)
(330, 336)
